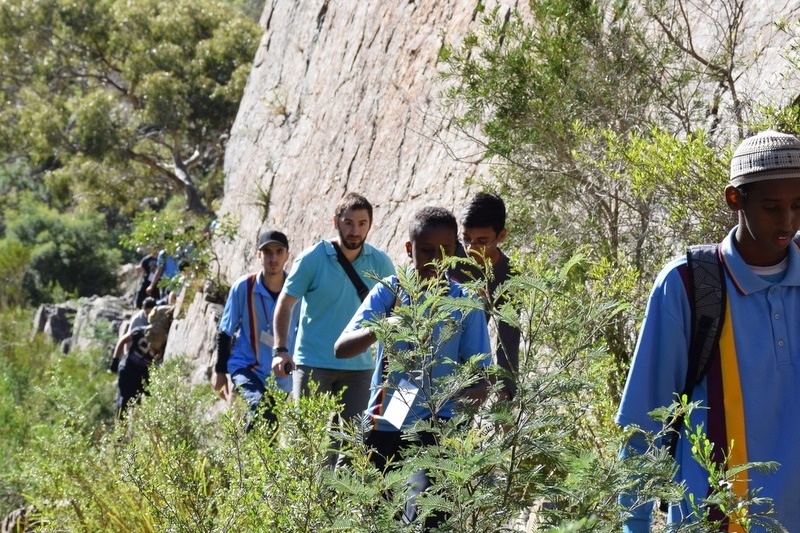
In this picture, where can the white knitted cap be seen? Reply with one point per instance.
(768, 155)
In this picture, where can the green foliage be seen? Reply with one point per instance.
(614, 130)
(14, 258)
(37, 387)
(56, 254)
(187, 238)
(177, 464)
(735, 505)
(111, 102)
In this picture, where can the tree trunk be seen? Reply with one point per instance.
(193, 202)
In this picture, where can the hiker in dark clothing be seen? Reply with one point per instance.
(134, 368)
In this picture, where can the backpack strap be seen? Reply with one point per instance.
(252, 282)
(707, 296)
(705, 289)
(358, 283)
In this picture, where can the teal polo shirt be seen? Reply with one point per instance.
(328, 300)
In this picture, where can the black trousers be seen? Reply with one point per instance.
(131, 381)
(389, 445)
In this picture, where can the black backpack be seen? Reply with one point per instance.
(705, 288)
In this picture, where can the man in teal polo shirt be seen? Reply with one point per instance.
(328, 300)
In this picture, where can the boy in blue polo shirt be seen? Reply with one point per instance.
(752, 389)
(249, 311)
(398, 399)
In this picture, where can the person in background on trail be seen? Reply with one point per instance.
(147, 266)
(139, 320)
(750, 393)
(134, 369)
(329, 298)
(483, 228)
(248, 315)
(432, 231)
(166, 268)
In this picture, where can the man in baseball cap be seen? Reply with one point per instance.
(249, 310)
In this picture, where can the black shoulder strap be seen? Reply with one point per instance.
(707, 298)
(358, 283)
(705, 288)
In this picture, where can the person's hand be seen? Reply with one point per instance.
(149, 290)
(113, 365)
(282, 365)
(475, 395)
(220, 384)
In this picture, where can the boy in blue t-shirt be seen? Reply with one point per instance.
(398, 399)
(245, 337)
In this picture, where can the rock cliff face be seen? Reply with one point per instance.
(344, 97)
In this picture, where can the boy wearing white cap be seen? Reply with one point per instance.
(751, 391)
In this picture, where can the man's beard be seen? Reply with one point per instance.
(347, 244)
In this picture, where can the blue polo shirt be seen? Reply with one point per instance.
(236, 318)
(470, 338)
(328, 300)
(765, 317)
(168, 262)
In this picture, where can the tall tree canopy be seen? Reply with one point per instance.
(111, 101)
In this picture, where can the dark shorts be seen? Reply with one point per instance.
(131, 383)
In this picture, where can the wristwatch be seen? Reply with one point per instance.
(281, 349)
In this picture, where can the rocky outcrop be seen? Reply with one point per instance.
(95, 322)
(196, 337)
(100, 321)
(128, 281)
(55, 320)
(343, 97)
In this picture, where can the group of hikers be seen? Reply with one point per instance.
(143, 342)
(311, 328)
(309, 325)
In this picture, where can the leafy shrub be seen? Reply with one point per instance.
(38, 386)
(68, 253)
(14, 257)
(185, 237)
(176, 464)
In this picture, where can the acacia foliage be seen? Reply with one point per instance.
(612, 126)
(112, 101)
(177, 464)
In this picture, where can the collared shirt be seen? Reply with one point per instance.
(236, 319)
(765, 317)
(469, 338)
(328, 300)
